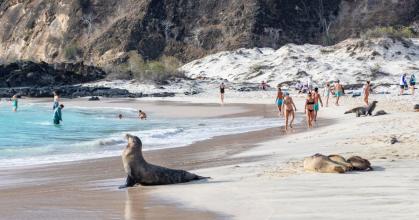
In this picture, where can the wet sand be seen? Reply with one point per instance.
(88, 189)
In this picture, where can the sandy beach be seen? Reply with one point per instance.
(255, 175)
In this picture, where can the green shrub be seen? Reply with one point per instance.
(391, 32)
(71, 52)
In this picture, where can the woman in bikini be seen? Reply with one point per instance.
(289, 110)
(279, 99)
(309, 110)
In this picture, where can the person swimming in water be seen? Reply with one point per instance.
(56, 100)
(309, 109)
(142, 115)
(14, 103)
(279, 99)
(289, 110)
(317, 102)
(120, 116)
(57, 114)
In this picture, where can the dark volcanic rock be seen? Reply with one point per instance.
(28, 74)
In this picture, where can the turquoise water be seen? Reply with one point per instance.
(29, 136)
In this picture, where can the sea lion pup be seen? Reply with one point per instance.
(322, 164)
(140, 172)
(360, 163)
(381, 112)
(342, 161)
(363, 110)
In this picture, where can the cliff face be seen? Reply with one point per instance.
(101, 31)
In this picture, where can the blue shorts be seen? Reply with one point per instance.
(316, 107)
(279, 102)
(338, 94)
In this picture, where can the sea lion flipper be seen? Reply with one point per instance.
(130, 182)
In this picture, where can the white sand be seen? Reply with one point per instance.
(278, 188)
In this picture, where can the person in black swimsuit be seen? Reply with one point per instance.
(222, 91)
(309, 109)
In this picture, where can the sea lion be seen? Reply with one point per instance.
(342, 161)
(363, 110)
(140, 172)
(416, 108)
(322, 164)
(360, 163)
(381, 112)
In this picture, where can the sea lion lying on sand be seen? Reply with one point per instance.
(416, 107)
(335, 164)
(322, 164)
(360, 163)
(141, 172)
(363, 110)
(381, 112)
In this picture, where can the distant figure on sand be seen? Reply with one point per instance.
(58, 115)
(403, 83)
(263, 85)
(142, 115)
(222, 91)
(338, 91)
(289, 110)
(317, 102)
(56, 100)
(15, 103)
(279, 99)
(309, 109)
(367, 89)
(412, 83)
(326, 93)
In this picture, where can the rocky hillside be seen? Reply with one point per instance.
(352, 61)
(102, 31)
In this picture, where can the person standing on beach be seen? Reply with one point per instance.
(403, 83)
(317, 102)
(412, 83)
(367, 89)
(222, 91)
(289, 110)
(15, 103)
(326, 93)
(309, 109)
(57, 115)
(56, 100)
(279, 99)
(338, 91)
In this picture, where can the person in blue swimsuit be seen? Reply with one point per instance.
(14, 103)
(57, 114)
(279, 99)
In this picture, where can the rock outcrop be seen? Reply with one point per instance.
(102, 31)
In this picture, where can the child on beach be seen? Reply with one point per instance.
(14, 103)
(309, 109)
(317, 102)
(56, 100)
(338, 91)
(279, 98)
(367, 89)
(222, 91)
(289, 110)
(412, 83)
(142, 115)
(326, 93)
(57, 114)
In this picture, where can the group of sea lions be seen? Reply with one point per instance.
(366, 110)
(335, 164)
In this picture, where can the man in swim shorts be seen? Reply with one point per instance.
(338, 91)
(57, 114)
(317, 102)
(279, 99)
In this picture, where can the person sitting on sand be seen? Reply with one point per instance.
(317, 102)
(279, 99)
(142, 115)
(14, 103)
(309, 109)
(289, 110)
(326, 93)
(338, 91)
(56, 100)
(58, 115)
(367, 89)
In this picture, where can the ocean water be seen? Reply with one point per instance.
(29, 137)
